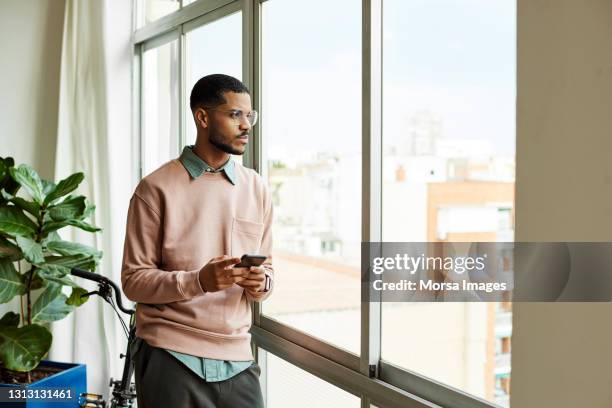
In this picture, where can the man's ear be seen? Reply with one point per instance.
(201, 118)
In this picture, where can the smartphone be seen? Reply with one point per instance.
(246, 261)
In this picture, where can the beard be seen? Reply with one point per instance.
(217, 140)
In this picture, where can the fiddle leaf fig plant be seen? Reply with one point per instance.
(35, 262)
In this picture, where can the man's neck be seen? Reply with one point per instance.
(214, 157)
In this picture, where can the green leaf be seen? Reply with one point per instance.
(57, 270)
(64, 187)
(62, 279)
(88, 211)
(51, 305)
(6, 181)
(10, 319)
(75, 298)
(73, 248)
(61, 273)
(10, 282)
(48, 186)
(15, 223)
(4, 172)
(32, 250)
(9, 250)
(29, 179)
(71, 208)
(5, 195)
(30, 206)
(8, 162)
(72, 261)
(84, 226)
(24, 347)
(50, 227)
(56, 225)
(52, 236)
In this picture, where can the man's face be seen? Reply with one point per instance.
(227, 129)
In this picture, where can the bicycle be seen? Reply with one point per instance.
(123, 391)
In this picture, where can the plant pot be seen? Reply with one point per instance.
(72, 380)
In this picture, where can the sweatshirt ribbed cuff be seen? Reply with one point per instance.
(189, 284)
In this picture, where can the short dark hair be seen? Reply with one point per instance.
(209, 90)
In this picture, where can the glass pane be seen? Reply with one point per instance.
(215, 48)
(155, 9)
(448, 170)
(290, 386)
(160, 128)
(311, 126)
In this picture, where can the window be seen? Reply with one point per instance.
(211, 49)
(311, 122)
(155, 9)
(290, 386)
(448, 175)
(159, 105)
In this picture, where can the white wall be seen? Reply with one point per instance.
(30, 48)
(561, 353)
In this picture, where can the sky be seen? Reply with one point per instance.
(455, 59)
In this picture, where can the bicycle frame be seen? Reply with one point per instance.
(123, 391)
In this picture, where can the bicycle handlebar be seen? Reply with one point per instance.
(102, 281)
(90, 276)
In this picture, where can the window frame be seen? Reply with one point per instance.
(367, 376)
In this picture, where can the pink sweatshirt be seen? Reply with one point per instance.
(175, 226)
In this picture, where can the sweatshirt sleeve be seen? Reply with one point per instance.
(141, 278)
(266, 248)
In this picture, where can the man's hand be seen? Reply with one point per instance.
(255, 281)
(218, 273)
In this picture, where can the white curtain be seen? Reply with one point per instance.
(94, 136)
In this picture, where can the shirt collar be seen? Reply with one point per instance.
(195, 166)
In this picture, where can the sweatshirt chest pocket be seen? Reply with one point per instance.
(246, 237)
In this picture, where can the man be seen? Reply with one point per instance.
(188, 224)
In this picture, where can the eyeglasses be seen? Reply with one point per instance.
(238, 116)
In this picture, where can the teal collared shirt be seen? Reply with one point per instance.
(207, 368)
(196, 166)
(210, 369)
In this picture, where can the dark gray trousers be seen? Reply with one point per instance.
(163, 381)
